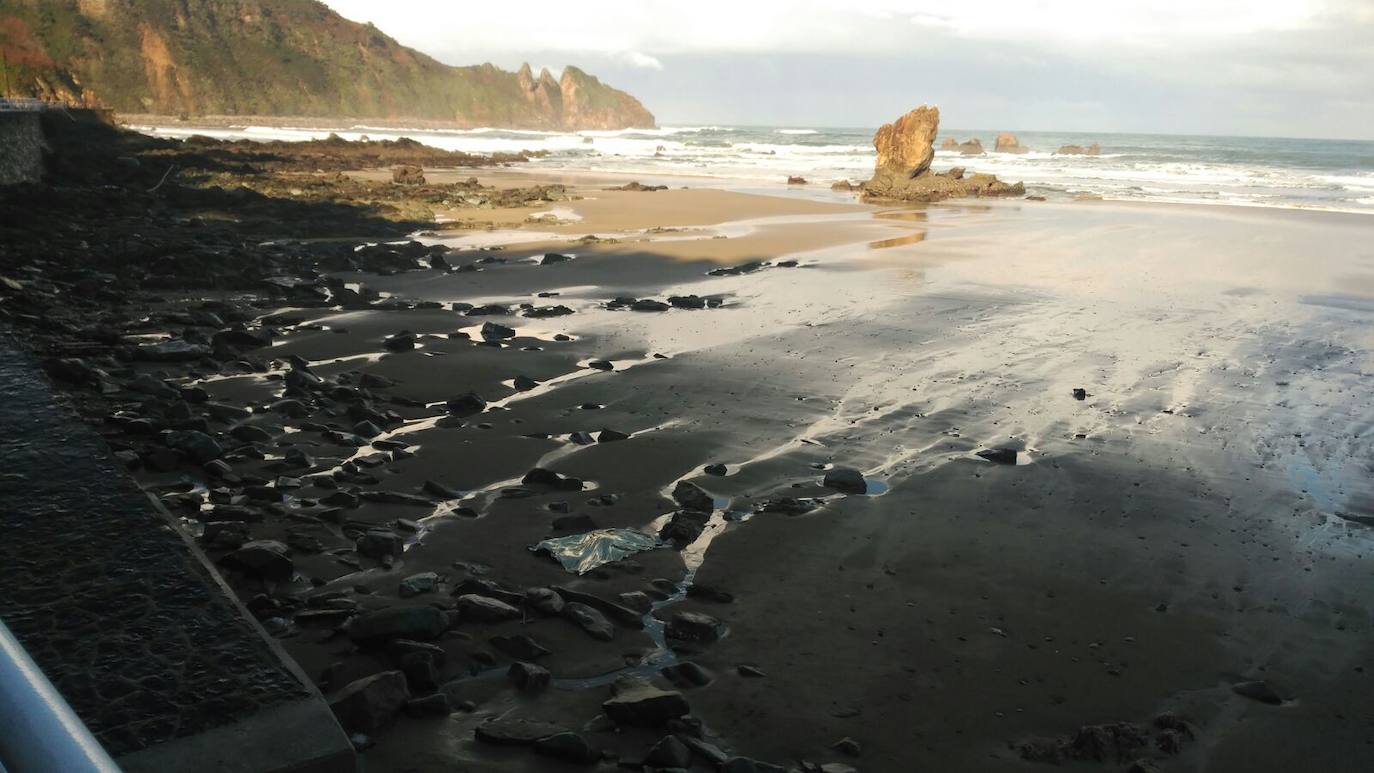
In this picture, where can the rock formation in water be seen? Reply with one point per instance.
(277, 58)
(973, 147)
(902, 172)
(1007, 143)
(1078, 150)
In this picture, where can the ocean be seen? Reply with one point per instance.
(1248, 171)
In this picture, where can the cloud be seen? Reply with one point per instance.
(638, 59)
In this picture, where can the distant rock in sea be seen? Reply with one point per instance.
(1078, 150)
(1007, 143)
(973, 147)
(902, 172)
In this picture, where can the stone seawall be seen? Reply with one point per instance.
(21, 147)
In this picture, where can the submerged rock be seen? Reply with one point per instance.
(1078, 150)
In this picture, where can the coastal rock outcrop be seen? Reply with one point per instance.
(973, 147)
(1078, 150)
(902, 172)
(1008, 143)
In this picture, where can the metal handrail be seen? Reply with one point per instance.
(39, 732)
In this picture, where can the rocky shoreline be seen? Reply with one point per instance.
(155, 279)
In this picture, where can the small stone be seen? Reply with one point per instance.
(484, 609)
(551, 258)
(687, 674)
(999, 455)
(845, 479)
(649, 304)
(416, 584)
(413, 622)
(693, 627)
(467, 404)
(265, 559)
(528, 676)
(847, 746)
(441, 491)
(716, 469)
(601, 365)
(669, 752)
(515, 732)
(199, 446)
(525, 383)
(1259, 691)
(750, 671)
(568, 747)
(637, 702)
(380, 543)
(492, 331)
(690, 496)
(1080, 394)
(610, 436)
(370, 703)
(544, 600)
(401, 342)
(590, 620)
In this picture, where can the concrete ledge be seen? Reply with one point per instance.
(298, 737)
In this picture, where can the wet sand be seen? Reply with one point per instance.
(1176, 532)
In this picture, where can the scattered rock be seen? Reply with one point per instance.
(693, 627)
(568, 747)
(528, 676)
(551, 258)
(380, 543)
(690, 496)
(845, 479)
(1080, 393)
(417, 584)
(998, 455)
(412, 622)
(636, 702)
(590, 620)
(484, 609)
(466, 405)
(492, 331)
(407, 174)
(1258, 691)
(669, 752)
(515, 732)
(544, 600)
(796, 180)
(265, 559)
(715, 469)
(369, 704)
(199, 446)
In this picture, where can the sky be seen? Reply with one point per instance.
(1296, 68)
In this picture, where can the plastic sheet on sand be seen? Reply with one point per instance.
(582, 553)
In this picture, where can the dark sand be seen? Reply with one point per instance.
(1175, 533)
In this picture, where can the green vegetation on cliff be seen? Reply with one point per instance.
(275, 58)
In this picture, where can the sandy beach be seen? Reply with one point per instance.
(1178, 531)
(981, 485)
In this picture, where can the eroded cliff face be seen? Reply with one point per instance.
(276, 58)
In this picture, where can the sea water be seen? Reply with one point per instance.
(1252, 171)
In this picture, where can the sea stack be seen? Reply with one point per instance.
(1008, 143)
(902, 172)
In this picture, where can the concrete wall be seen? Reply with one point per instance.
(21, 147)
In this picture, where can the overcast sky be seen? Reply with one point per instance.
(1296, 68)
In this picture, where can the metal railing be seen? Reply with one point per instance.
(28, 105)
(39, 732)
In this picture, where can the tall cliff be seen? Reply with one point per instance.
(276, 58)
